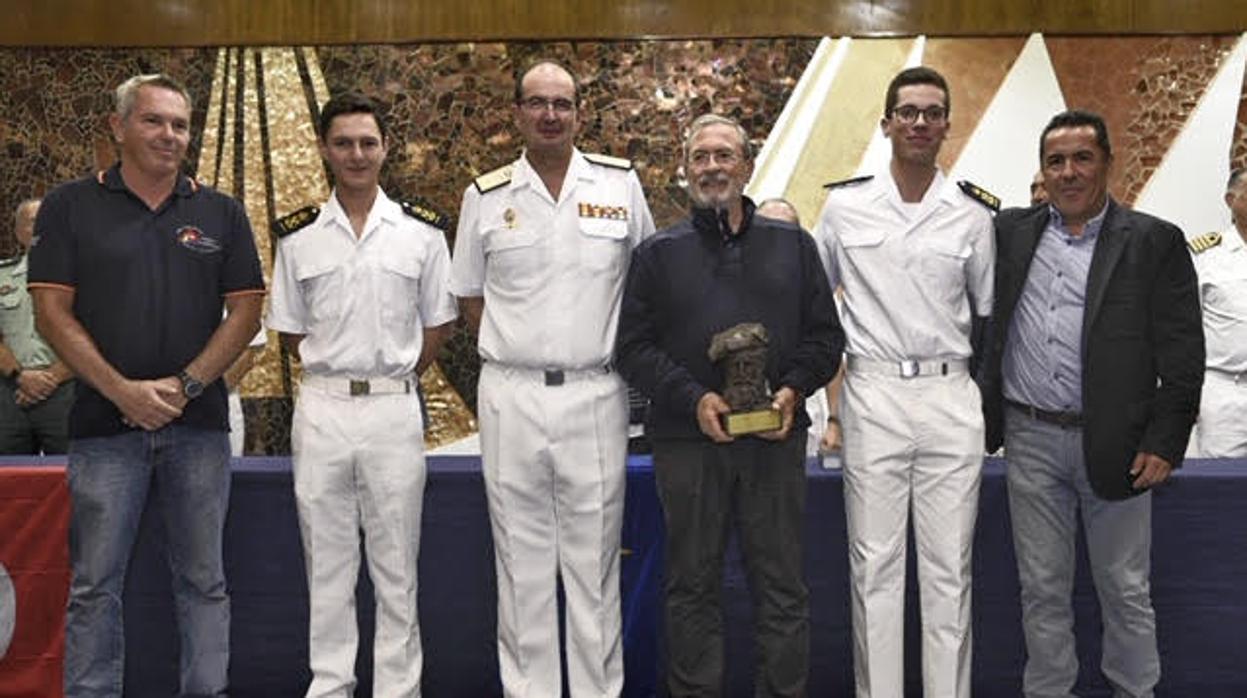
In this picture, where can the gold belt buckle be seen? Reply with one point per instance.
(359, 388)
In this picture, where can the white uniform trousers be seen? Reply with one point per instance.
(359, 463)
(554, 459)
(911, 444)
(1221, 431)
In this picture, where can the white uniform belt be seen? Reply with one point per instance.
(359, 388)
(553, 376)
(907, 369)
(1235, 377)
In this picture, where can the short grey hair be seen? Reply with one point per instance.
(127, 92)
(705, 120)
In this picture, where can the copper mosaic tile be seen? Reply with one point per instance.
(1144, 87)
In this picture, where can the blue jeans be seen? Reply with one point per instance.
(109, 478)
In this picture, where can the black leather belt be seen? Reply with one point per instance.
(1061, 419)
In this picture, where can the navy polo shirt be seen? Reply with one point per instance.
(149, 285)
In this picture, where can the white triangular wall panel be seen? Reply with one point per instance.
(782, 150)
(1002, 155)
(1188, 188)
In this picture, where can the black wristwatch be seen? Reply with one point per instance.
(192, 387)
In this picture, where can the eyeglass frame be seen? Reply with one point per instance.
(537, 105)
(899, 114)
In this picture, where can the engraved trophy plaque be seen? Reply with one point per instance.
(740, 352)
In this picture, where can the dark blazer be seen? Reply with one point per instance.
(1142, 341)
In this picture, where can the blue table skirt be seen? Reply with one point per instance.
(1199, 586)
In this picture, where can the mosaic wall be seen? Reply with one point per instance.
(450, 120)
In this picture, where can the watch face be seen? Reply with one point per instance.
(191, 387)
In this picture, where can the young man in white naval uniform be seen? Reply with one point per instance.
(360, 294)
(540, 258)
(915, 255)
(1221, 262)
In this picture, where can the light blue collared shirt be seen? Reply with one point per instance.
(1043, 350)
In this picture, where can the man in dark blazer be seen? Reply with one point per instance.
(1091, 381)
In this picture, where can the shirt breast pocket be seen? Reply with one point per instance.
(400, 288)
(605, 244)
(861, 241)
(321, 285)
(512, 258)
(943, 264)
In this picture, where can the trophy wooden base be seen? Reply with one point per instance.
(751, 422)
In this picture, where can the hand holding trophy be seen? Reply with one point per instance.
(740, 351)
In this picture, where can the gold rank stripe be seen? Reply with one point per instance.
(611, 213)
(1204, 242)
(980, 194)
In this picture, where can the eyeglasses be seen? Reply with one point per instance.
(540, 104)
(725, 158)
(908, 114)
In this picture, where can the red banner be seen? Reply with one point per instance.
(34, 580)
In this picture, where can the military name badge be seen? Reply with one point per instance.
(508, 217)
(610, 213)
(193, 239)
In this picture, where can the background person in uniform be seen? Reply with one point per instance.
(130, 272)
(1221, 263)
(360, 294)
(36, 390)
(540, 257)
(1091, 381)
(914, 254)
(723, 266)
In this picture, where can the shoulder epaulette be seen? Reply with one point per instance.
(293, 222)
(609, 161)
(420, 209)
(980, 194)
(848, 182)
(492, 180)
(10, 261)
(1203, 243)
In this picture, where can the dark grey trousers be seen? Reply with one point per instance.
(35, 430)
(704, 487)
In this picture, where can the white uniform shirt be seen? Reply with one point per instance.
(362, 303)
(1223, 294)
(912, 275)
(551, 272)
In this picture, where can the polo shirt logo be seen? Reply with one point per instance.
(193, 239)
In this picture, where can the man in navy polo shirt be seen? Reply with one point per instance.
(129, 272)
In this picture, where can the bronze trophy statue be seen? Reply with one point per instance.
(740, 351)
